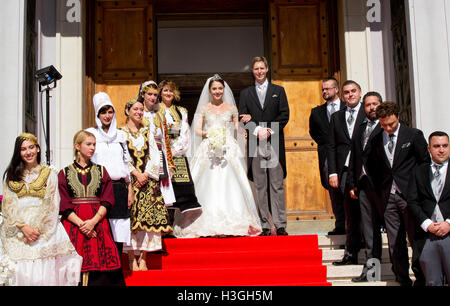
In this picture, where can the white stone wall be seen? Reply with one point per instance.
(60, 44)
(429, 36)
(366, 46)
(12, 54)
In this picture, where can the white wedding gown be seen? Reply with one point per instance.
(221, 186)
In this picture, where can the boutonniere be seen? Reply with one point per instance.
(406, 145)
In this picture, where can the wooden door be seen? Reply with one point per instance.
(300, 59)
(124, 50)
(302, 33)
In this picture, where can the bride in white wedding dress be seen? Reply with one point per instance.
(217, 166)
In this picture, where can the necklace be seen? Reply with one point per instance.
(83, 171)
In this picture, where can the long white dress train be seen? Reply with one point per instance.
(221, 184)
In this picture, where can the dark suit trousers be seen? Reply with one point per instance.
(370, 222)
(352, 218)
(435, 259)
(399, 222)
(337, 202)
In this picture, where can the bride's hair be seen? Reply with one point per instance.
(216, 78)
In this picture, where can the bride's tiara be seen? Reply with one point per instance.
(216, 77)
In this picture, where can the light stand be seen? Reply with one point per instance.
(47, 78)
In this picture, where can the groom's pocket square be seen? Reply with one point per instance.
(275, 96)
(406, 145)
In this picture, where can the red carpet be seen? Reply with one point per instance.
(240, 261)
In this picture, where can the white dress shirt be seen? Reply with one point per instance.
(351, 127)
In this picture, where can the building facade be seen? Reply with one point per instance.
(400, 48)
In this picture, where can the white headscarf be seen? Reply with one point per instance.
(100, 100)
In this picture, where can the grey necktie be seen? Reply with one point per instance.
(368, 132)
(391, 144)
(351, 118)
(332, 110)
(437, 185)
(261, 95)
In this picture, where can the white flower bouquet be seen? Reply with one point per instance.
(217, 140)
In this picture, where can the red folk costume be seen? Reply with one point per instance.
(83, 191)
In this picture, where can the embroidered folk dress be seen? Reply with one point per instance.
(158, 128)
(52, 259)
(149, 216)
(179, 135)
(83, 191)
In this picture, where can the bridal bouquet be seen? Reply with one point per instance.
(217, 139)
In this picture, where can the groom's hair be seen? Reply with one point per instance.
(260, 59)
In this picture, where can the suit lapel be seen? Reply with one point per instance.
(426, 176)
(254, 96)
(446, 190)
(402, 137)
(344, 122)
(324, 115)
(269, 93)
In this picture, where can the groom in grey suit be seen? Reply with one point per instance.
(265, 110)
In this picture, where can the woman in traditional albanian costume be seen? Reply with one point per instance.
(148, 95)
(111, 151)
(31, 234)
(149, 217)
(176, 118)
(86, 197)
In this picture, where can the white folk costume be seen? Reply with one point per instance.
(219, 174)
(112, 152)
(149, 217)
(52, 259)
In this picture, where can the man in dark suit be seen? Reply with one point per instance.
(362, 186)
(429, 203)
(344, 125)
(319, 128)
(394, 155)
(265, 110)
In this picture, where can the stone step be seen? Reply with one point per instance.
(346, 283)
(351, 271)
(336, 241)
(330, 255)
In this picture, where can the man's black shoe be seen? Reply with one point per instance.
(265, 232)
(360, 279)
(336, 231)
(347, 260)
(281, 232)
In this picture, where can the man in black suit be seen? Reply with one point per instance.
(362, 186)
(429, 203)
(319, 128)
(344, 125)
(264, 107)
(394, 155)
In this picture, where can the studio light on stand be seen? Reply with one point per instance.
(47, 78)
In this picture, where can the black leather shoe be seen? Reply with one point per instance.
(265, 232)
(281, 232)
(347, 260)
(360, 279)
(336, 231)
